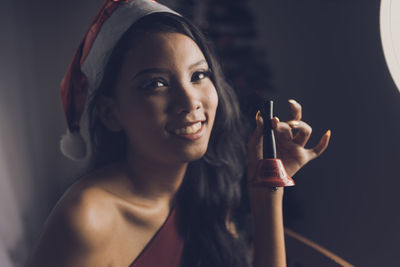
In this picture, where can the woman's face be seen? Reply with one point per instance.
(165, 100)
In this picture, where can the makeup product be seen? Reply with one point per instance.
(271, 172)
(269, 146)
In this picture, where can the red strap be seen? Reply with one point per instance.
(165, 248)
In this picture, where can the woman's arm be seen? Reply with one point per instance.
(265, 204)
(267, 225)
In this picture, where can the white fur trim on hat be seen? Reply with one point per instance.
(111, 32)
(73, 145)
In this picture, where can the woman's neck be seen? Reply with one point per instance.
(155, 181)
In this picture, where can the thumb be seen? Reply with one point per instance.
(255, 145)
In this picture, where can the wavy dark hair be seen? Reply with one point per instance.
(212, 189)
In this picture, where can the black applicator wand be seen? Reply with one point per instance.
(269, 146)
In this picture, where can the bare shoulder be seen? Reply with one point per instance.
(98, 222)
(89, 211)
(78, 228)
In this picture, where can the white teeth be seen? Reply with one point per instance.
(189, 130)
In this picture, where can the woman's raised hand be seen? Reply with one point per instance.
(290, 146)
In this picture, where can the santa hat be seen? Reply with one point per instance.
(85, 73)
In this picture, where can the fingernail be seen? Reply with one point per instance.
(259, 119)
(328, 133)
(275, 121)
(292, 101)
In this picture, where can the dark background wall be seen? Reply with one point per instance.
(324, 53)
(328, 55)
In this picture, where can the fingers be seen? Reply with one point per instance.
(282, 129)
(255, 147)
(321, 146)
(295, 110)
(255, 144)
(303, 132)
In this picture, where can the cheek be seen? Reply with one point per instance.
(142, 112)
(212, 99)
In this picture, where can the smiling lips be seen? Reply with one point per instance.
(188, 129)
(192, 131)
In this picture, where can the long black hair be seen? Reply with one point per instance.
(212, 190)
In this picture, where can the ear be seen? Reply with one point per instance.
(108, 113)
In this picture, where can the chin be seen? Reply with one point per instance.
(192, 155)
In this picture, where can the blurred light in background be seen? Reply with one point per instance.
(390, 35)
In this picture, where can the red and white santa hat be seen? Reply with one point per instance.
(85, 73)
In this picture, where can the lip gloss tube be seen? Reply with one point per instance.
(271, 172)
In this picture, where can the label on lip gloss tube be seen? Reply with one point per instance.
(271, 173)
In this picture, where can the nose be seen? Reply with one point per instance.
(186, 98)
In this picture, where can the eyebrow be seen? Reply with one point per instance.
(150, 70)
(202, 61)
(162, 70)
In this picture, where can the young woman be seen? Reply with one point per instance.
(168, 154)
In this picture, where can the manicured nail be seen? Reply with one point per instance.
(258, 114)
(292, 101)
(328, 133)
(259, 119)
(275, 121)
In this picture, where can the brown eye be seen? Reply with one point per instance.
(200, 75)
(158, 84)
(152, 84)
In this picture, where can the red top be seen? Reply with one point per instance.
(165, 248)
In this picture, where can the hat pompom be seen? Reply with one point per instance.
(73, 145)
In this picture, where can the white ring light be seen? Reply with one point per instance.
(390, 36)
